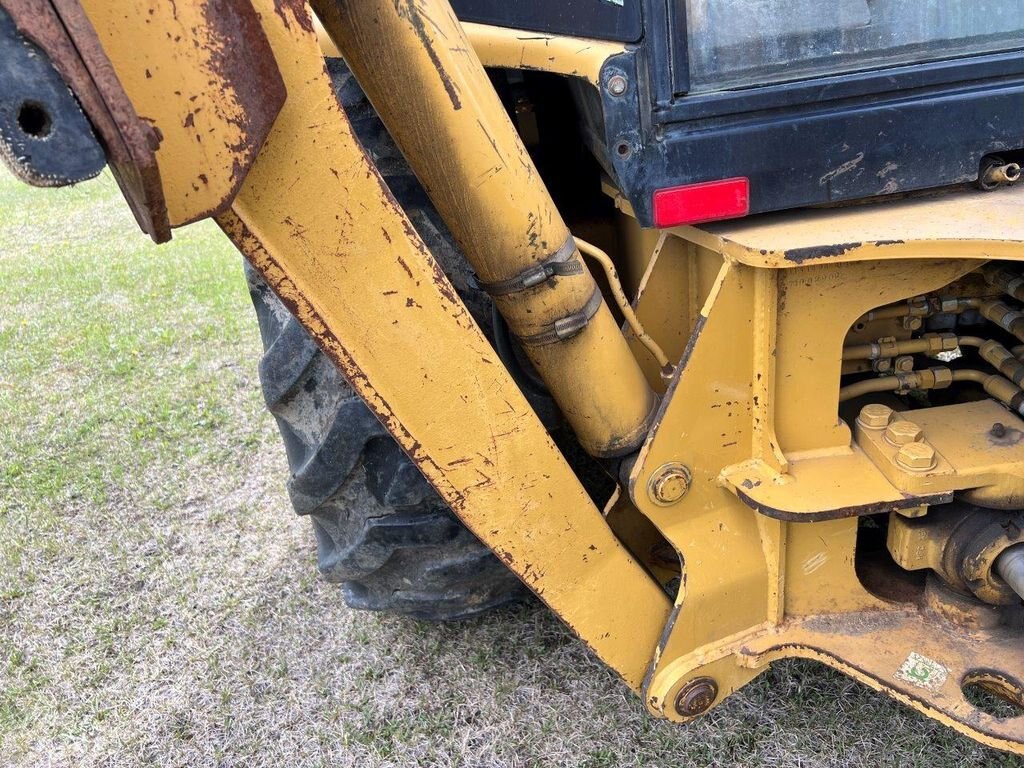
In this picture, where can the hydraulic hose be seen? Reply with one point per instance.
(996, 386)
(615, 285)
(994, 353)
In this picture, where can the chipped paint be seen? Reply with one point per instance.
(800, 255)
(845, 168)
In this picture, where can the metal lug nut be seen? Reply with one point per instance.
(669, 484)
(918, 457)
(902, 432)
(874, 416)
(617, 85)
(696, 697)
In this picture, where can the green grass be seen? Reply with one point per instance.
(159, 603)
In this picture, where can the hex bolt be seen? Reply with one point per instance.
(874, 416)
(696, 697)
(901, 432)
(617, 85)
(912, 323)
(917, 457)
(669, 484)
(904, 363)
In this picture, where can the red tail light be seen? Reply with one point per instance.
(707, 201)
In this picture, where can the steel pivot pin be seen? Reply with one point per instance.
(669, 484)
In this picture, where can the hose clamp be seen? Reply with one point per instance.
(560, 264)
(568, 326)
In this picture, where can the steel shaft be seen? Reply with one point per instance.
(1010, 567)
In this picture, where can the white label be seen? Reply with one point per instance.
(923, 672)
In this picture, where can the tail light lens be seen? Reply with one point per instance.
(696, 203)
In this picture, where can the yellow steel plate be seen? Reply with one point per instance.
(963, 223)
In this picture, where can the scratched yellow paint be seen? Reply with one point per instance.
(371, 294)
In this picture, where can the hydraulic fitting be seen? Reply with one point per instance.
(1005, 317)
(1002, 389)
(1006, 280)
(1005, 392)
(929, 378)
(940, 342)
(889, 347)
(996, 173)
(1000, 358)
(975, 551)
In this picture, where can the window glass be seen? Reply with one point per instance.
(735, 43)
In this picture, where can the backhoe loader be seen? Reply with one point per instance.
(702, 321)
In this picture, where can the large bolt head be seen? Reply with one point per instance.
(617, 85)
(918, 457)
(901, 432)
(875, 416)
(696, 697)
(669, 484)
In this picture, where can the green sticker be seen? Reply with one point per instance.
(923, 672)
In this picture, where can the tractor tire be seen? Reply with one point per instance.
(381, 530)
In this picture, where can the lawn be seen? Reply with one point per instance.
(159, 602)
